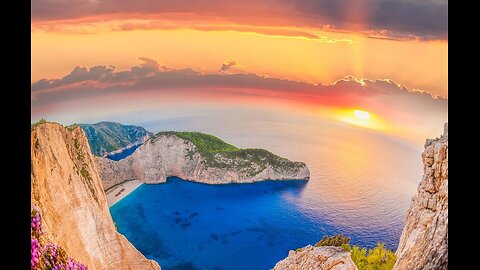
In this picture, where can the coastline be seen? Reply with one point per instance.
(120, 191)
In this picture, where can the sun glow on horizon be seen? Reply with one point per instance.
(362, 115)
(361, 118)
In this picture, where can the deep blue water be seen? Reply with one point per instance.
(186, 225)
(125, 153)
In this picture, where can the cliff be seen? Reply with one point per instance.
(424, 240)
(67, 189)
(318, 258)
(201, 158)
(109, 137)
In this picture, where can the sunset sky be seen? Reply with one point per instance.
(95, 59)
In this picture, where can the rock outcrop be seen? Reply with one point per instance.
(167, 155)
(67, 189)
(424, 240)
(317, 258)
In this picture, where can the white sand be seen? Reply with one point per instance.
(120, 191)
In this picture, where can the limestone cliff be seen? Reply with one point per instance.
(168, 154)
(424, 240)
(318, 258)
(67, 189)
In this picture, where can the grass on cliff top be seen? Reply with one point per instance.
(204, 142)
(378, 258)
(220, 154)
(43, 121)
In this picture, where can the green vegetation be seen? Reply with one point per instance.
(336, 241)
(41, 121)
(378, 258)
(105, 137)
(71, 127)
(219, 154)
(83, 171)
(346, 247)
(204, 142)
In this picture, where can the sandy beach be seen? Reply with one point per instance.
(120, 191)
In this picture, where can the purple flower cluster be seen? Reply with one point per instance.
(36, 222)
(73, 265)
(35, 252)
(49, 256)
(53, 257)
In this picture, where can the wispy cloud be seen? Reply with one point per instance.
(99, 24)
(227, 65)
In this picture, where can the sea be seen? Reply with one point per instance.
(361, 185)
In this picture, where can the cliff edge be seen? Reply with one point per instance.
(68, 192)
(424, 240)
(319, 258)
(198, 157)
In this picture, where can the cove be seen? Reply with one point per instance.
(188, 225)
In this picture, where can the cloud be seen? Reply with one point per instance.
(151, 81)
(227, 65)
(148, 63)
(427, 19)
(78, 74)
(397, 19)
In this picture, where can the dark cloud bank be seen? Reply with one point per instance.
(424, 19)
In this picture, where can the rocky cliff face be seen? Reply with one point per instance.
(318, 258)
(424, 241)
(66, 187)
(169, 155)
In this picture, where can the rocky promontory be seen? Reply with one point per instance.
(66, 188)
(424, 241)
(198, 157)
(318, 258)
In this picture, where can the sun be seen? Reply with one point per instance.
(361, 118)
(362, 115)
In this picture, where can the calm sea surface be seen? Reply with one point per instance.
(361, 185)
(125, 153)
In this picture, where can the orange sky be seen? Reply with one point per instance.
(324, 58)
(415, 64)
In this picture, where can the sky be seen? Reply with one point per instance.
(337, 60)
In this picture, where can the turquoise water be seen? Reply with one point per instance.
(186, 225)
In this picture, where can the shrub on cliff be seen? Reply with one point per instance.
(378, 258)
(36, 124)
(337, 241)
(47, 256)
